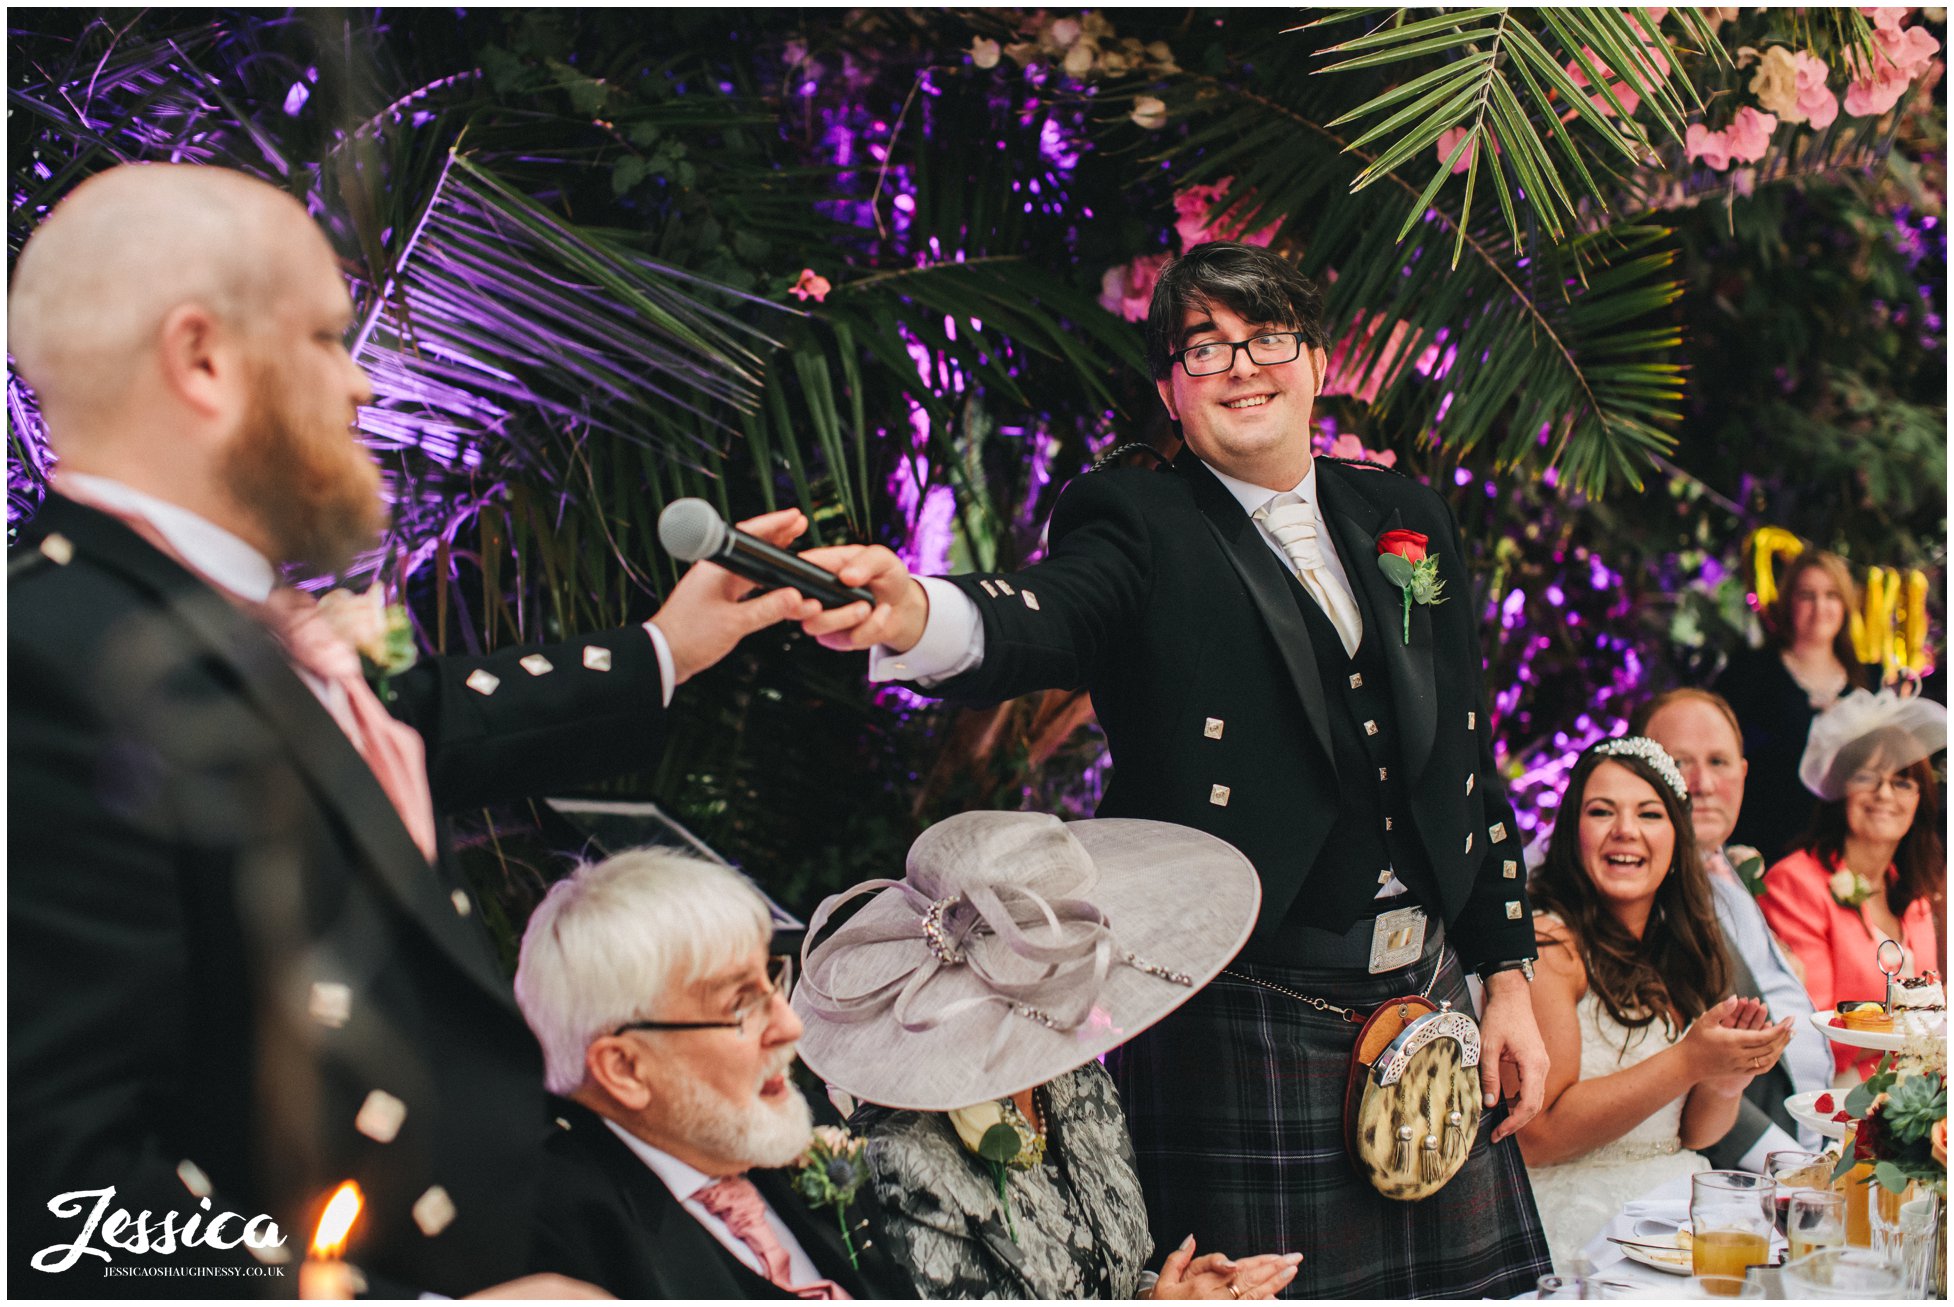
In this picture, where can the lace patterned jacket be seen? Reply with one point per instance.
(1080, 1219)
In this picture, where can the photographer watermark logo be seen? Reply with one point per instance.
(142, 1234)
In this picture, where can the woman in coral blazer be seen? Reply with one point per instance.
(1871, 868)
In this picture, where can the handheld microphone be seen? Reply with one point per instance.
(692, 529)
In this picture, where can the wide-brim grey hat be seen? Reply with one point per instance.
(1016, 948)
(1908, 730)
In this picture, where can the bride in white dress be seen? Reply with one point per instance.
(1649, 1056)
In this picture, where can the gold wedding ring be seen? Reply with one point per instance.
(1234, 1292)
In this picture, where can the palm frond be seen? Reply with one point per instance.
(1533, 352)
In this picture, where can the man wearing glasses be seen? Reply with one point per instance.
(1260, 674)
(665, 1029)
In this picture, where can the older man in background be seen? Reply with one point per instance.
(242, 968)
(665, 1026)
(1699, 730)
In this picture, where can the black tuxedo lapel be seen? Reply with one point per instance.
(1357, 523)
(663, 1251)
(819, 1233)
(1249, 554)
(308, 733)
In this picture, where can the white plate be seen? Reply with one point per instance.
(1884, 1041)
(1801, 1108)
(1675, 1262)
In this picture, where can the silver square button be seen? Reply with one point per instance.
(1213, 728)
(1218, 796)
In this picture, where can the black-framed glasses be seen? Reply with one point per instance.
(1869, 782)
(1265, 350)
(780, 983)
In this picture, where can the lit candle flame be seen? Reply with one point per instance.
(336, 1222)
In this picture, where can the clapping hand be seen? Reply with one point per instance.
(1212, 1275)
(1735, 1041)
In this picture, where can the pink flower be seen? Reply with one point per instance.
(1449, 141)
(1128, 289)
(1341, 376)
(1816, 105)
(1192, 203)
(1655, 63)
(811, 286)
(1899, 55)
(1349, 446)
(1885, 19)
(1713, 148)
(1749, 135)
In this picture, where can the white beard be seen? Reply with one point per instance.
(762, 1136)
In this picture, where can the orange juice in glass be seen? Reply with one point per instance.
(1731, 1215)
(1857, 1185)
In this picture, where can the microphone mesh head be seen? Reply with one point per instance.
(690, 529)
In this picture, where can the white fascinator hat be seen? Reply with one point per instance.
(1864, 727)
(1016, 947)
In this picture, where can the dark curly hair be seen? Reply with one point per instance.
(1678, 969)
(1258, 286)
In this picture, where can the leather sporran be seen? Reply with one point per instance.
(1412, 1103)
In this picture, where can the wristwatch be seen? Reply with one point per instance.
(1522, 965)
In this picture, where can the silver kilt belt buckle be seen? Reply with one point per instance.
(1397, 939)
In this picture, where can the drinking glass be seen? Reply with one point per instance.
(1816, 1220)
(1904, 1232)
(1857, 1186)
(1841, 1273)
(1731, 1214)
(1795, 1170)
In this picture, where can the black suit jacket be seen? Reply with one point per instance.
(606, 1217)
(225, 946)
(1160, 597)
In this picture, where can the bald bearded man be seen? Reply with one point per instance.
(242, 970)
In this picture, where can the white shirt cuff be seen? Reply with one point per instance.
(952, 643)
(667, 675)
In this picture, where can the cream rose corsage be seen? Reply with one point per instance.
(1849, 887)
(379, 631)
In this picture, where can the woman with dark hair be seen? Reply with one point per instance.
(1806, 663)
(1871, 866)
(1650, 1053)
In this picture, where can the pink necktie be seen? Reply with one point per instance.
(392, 749)
(736, 1202)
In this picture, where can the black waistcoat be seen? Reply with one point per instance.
(1374, 832)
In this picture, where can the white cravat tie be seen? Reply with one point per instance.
(1293, 523)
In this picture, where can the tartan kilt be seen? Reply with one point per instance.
(1235, 1103)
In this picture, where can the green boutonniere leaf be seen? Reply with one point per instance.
(1000, 1144)
(1395, 569)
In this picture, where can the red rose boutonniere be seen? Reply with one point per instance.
(1401, 557)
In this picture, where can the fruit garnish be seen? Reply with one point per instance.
(1842, 1115)
(1825, 1104)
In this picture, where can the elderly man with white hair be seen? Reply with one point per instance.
(665, 1028)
